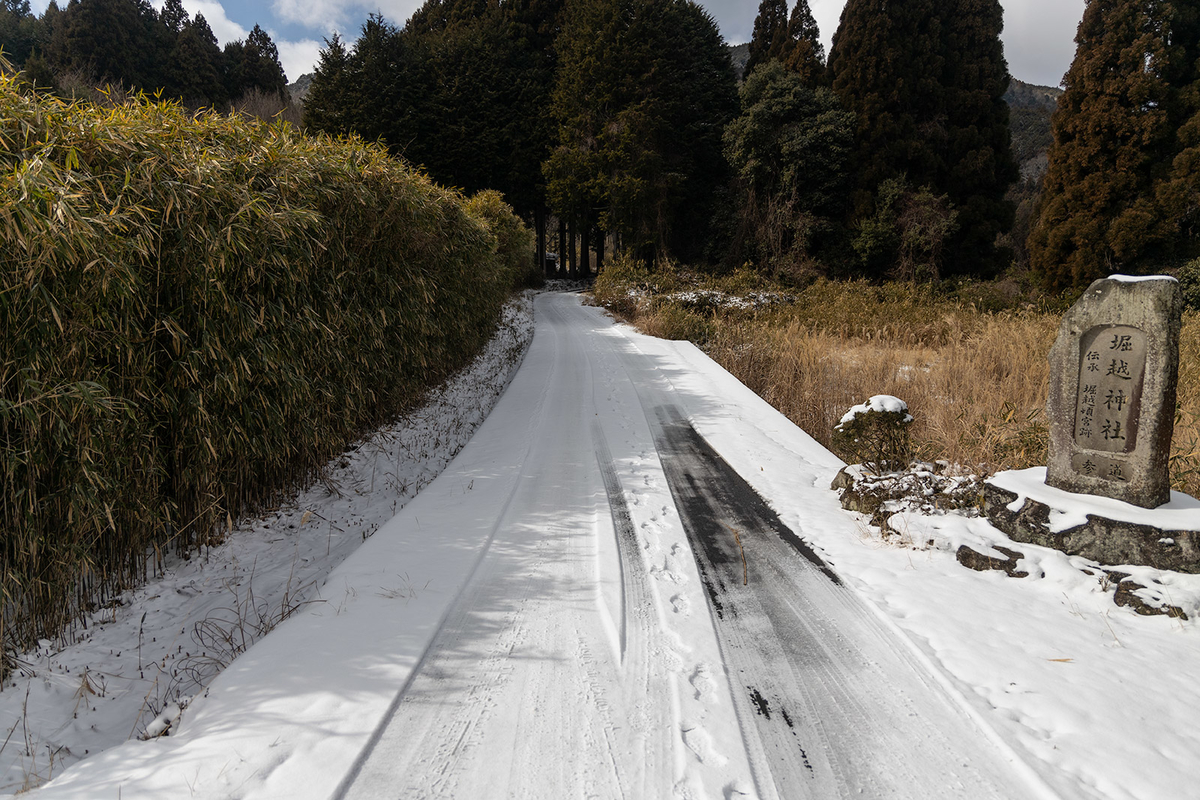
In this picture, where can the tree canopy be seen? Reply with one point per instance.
(789, 149)
(793, 41)
(1121, 186)
(128, 42)
(463, 90)
(926, 81)
(643, 92)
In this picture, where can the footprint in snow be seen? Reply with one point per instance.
(702, 681)
(700, 743)
(666, 573)
(681, 605)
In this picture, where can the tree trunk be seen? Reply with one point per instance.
(599, 250)
(585, 243)
(539, 226)
(562, 248)
(571, 231)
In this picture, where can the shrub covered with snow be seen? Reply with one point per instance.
(875, 434)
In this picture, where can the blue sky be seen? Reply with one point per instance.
(1038, 37)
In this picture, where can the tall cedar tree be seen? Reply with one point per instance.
(115, 41)
(644, 90)
(196, 65)
(1179, 194)
(806, 54)
(254, 64)
(979, 162)
(926, 80)
(324, 109)
(128, 42)
(461, 90)
(19, 31)
(769, 41)
(1120, 188)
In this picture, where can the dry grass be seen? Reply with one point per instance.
(975, 381)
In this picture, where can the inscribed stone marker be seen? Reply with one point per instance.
(1113, 372)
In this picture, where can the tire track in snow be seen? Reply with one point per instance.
(520, 693)
(830, 707)
(644, 676)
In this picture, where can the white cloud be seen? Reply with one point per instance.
(1039, 38)
(342, 15)
(298, 58)
(225, 29)
(320, 14)
(396, 12)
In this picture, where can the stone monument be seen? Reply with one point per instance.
(1111, 414)
(1111, 408)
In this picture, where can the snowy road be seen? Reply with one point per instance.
(582, 658)
(613, 591)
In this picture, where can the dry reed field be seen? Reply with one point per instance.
(974, 380)
(196, 312)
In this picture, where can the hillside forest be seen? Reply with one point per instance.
(127, 44)
(906, 152)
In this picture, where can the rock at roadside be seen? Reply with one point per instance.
(1111, 406)
(1105, 530)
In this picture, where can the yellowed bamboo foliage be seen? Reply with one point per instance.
(196, 312)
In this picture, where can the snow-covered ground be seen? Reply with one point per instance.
(545, 652)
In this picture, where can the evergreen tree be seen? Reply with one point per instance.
(195, 65)
(462, 90)
(885, 66)
(806, 54)
(643, 92)
(926, 82)
(110, 40)
(253, 64)
(771, 36)
(789, 149)
(173, 16)
(1179, 194)
(323, 105)
(261, 67)
(19, 31)
(1120, 162)
(979, 162)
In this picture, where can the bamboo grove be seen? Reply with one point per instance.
(196, 312)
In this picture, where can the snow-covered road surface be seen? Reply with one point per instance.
(562, 667)
(535, 624)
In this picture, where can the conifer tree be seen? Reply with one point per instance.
(806, 54)
(770, 38)
(1117, 145)
(979, 163)
(926, 80)
(110, 40)
(789, 149)
(19, 30)
(643, 91)
(324, 109)
(173, 16)
(1179, 194)
(195, 64)
(462, 90)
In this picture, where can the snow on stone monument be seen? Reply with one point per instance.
(1106, 493)
(1111, 408)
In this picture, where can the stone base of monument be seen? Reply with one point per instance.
(1103, 529)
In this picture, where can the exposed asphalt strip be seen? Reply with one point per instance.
(829, 706)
